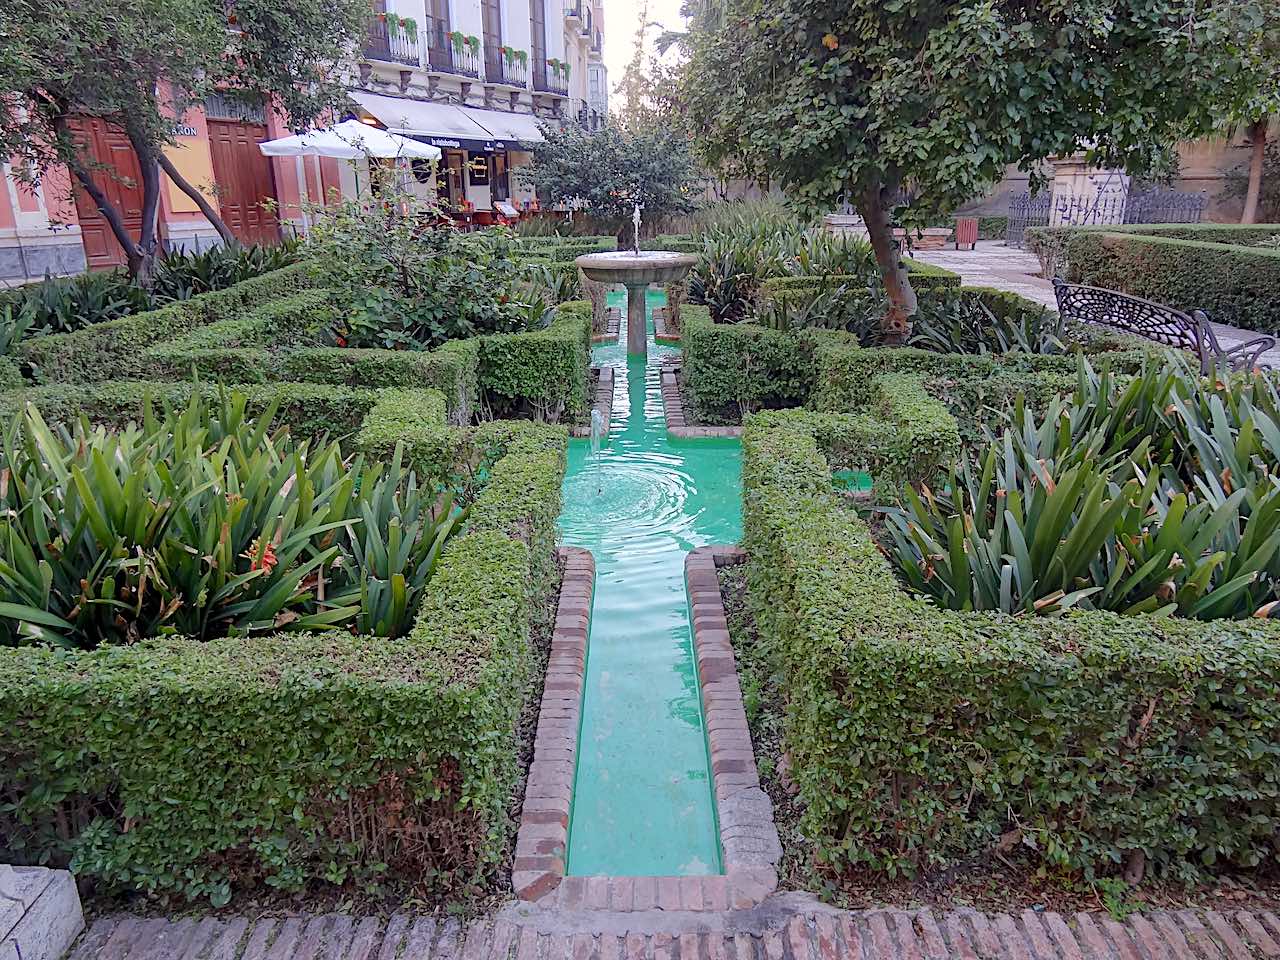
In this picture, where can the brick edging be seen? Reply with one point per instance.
(603, 401)
(661, 332)
(543, 836)
(748, 836)
(613, 324)
(673, 410)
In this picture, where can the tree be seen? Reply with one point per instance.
(612, 169)
(141, 64)
(869, 99)
(1257, 99)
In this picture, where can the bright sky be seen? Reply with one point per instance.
(621, 18)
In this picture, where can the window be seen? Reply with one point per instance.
(538, 40)
(491, 28)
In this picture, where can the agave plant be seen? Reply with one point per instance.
(203, 522)
(180, 275)
(1084, 507)
(725, 285)
(950, 321)
(63, 304)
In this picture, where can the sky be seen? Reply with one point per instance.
(621, 18)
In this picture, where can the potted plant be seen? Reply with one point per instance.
(523, 57)
(393, 24)
(473, 43)
(410, 26)
(564, 68)
(458, 39)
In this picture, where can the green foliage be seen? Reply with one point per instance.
(115, 350)
(203, 523)
(996, 712)
(543, 371)
(612, 169)
(63, 304)
(1233, 284)
(182, 275)
(402, 282)
(1148, 496)
(959, 322)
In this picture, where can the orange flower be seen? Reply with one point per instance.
(830, 41)
(269, 559)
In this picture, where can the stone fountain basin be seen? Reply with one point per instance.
(625, 266)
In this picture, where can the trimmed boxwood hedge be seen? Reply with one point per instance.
(731, 366)
(920, 738)
(545, 369)
(115, 350)
(1233, 284)
(198, 768)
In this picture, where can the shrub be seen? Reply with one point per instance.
(961, 322)
(181, 275)
(543, 370)
(920, 738)
(181, 767)
(115, 350)
(201, 523)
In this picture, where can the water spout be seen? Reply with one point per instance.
(635, 224)
(597, 430)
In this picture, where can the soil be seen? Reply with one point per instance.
(381, 900)
(996, 882)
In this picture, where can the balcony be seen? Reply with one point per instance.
(505, 66)
(546, 80)
(449, 52)
(597, 44)
(391, 40)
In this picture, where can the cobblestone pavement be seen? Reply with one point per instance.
(993, 264)
(786, 927)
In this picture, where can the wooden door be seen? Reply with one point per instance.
(120, 181)
(244, 180)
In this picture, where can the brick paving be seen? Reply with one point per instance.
(789, 927)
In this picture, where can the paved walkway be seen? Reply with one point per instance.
(788, 927)
(993, 264)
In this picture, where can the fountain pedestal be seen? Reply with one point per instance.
(635, 271)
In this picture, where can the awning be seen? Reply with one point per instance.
(514, 131)
(452, 127)
(439, 124)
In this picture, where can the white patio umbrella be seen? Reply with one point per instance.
(350, 140)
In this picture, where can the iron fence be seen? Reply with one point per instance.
(1145, 205)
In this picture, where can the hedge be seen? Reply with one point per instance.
(920, 738)
(199, 768)
(544, 369)
(115, 350)
(1232, 233)
(1233, 284)
(241, 348)
(10, 375)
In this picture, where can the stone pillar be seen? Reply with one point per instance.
(1086, 196)
(637, 327)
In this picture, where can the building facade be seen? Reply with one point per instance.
(475, 77)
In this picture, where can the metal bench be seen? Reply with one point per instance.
(1159, 323)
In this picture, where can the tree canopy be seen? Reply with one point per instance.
(140, 64)
(611, 169)
(867, 99)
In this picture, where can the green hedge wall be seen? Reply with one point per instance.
(919, 738)
(1233, 284)
(546, 370)
(116, 350)
(199, 769)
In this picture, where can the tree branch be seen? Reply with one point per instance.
(200, 199)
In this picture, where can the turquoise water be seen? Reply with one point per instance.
(642, 801)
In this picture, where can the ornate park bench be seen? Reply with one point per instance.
(1159, 323)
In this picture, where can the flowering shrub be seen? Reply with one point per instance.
(403, 279)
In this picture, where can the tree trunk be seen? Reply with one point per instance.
(1258, 133)
(142, 264)
(895, 325)
(201, 201)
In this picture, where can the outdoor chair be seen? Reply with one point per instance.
(1158, 323)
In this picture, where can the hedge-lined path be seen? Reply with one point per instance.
(993, 264)
(787, 927)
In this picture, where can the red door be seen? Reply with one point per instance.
(121, 181)
(244, 180)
